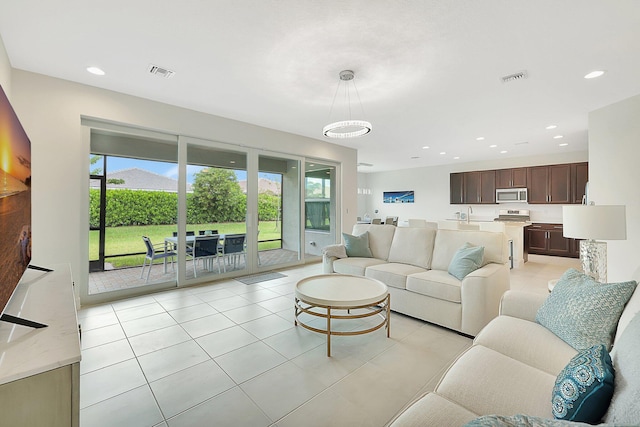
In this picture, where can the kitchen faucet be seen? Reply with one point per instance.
(469, 212)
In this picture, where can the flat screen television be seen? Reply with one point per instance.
(15, 205)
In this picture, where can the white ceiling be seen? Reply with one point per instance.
(427, 71)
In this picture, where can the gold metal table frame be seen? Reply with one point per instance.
(381, 307)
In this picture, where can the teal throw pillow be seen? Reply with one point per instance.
(584, 312)
(584, 388)
(357, 246)
(467, 259)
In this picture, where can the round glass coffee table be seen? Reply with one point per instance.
(333, 296)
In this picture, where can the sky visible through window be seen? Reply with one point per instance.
(170, 170)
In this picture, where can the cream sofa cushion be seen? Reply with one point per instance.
(448, 242)
(437, 284)
(392, 274)
(354, 266)
(380, 237)
(488, 382)
(413, 246)
(527, 342)
(434, 410)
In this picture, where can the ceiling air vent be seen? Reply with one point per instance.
(159, 71)
(521, 75)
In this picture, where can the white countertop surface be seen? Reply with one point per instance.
(45, 298)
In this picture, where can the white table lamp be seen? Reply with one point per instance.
(592, 222)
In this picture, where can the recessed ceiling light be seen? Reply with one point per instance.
(443, 152)
(503, 152)
(493, 146)
(456, 158)
(594, 74)
(426, 147)
(558, 137)
(480, 138)
(551, 127)
(95, 70)
(564, 144)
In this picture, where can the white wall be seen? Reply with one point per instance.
(431, 187)
(614, 178)
(50, 110)
(5, 70)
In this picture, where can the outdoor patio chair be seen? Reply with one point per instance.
(155, 252)
(232, 248)
(188, 234)
(207, 232)
(204, 248)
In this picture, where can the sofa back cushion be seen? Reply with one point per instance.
(380, 237)
(413, 246)
(624, 408)
(448, 242)
(630, 310)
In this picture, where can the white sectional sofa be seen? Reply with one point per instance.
(511, 369)
(413, 263)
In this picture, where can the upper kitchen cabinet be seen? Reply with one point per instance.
(511, 178)
(480, 187)
(579, 179)
(550, 184)
(456, 188)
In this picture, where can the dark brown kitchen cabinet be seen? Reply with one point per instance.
(579, 179)
(511, 178)
(488, 187)
(456, 188)
(477, 187)
(550, 184)
(547, 239)
(480, 187)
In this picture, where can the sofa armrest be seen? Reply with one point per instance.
(522, 304)
(330, 254)
(481, 291)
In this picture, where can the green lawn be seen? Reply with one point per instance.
(126, 240)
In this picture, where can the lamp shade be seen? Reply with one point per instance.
(595, 222)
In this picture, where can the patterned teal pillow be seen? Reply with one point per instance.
(583, 312)
(467, 259)
(584, 388)
(357, 246)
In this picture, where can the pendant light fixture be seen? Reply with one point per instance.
(347, 128)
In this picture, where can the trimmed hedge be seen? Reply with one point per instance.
(139, 207)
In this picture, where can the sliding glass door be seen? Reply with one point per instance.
(278, 190)
(133, 201)
(216, 235)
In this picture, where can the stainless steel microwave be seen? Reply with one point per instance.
(511, 195)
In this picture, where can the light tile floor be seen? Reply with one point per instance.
(228, 354)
